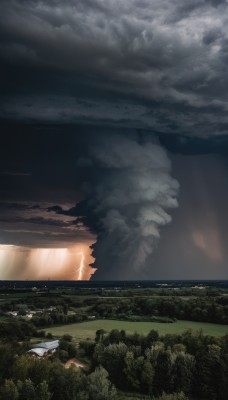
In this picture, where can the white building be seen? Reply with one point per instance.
(44, 349)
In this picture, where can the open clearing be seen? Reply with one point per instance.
(88, 329)
(74, 361)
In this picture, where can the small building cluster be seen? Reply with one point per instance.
(29, 314)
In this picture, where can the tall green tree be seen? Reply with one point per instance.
(183, 370)
(163, 373)
(42, 391)
(99, 387)
(76, 385)
(132, 370)
(99, 335)
(7, 357)
(9, 391)
(112, 359)
(147, 376)
(27, 391)
(58, 380)
(210, 374)
(151, 338)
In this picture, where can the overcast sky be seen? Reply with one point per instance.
(115, 132)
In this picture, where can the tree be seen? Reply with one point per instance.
(147, 376)
(99, 335)
(49, 335)
(42, 391)
(179, 348)
(139, 372)
(27, 391)
(154, 351)
(21, 367)
(112, 359)
(122, 335)
(9, 391)
(6, 360)
(76, 385)
(114, 336)
(65, 309)
(58, 380)
(183, 372)
(99, 387)
(210, 374)
(163, 373)
(68, 338)
(131, 371)
(39, 370)
(22, 312)
(88, 347)
(152, 337)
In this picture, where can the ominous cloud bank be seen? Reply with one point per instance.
(157, 64)
(40, 226)
(128, 197)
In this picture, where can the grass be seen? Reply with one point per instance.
(88, 329)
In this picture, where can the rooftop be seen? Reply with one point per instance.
(47, 345)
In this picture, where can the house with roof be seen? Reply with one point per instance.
(12, 313)
(43, 349)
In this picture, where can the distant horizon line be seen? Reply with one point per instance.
(114, 280)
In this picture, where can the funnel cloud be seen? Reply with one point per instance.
(128, 198)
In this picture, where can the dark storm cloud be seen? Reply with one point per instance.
(35, 221)
(10, 173)
(157, 64)
(39, 225)
(43, 239)
(181, 144)
(128, 193)
(56, 209)
(51, 159)
(13, 206)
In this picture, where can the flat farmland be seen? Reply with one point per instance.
(88, 329)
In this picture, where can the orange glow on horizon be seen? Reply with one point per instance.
(46, 263)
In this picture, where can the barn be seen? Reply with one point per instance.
(44, 349)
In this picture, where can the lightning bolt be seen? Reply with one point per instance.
(81, 266)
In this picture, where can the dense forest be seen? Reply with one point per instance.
(138, 306)
(118, 365)
(187, 366)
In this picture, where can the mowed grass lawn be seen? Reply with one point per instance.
(88, 329)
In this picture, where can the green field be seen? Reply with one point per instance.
(88, 329)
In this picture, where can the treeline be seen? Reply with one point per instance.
(33, 379)
(160, 309)
(69, 309)
(161, 291)
(26, 378)
(170, 367)
(37, 302)
(193, 364)
(205, 309)
(18, 330)
(56, 318)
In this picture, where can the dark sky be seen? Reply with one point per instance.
(114, 131)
